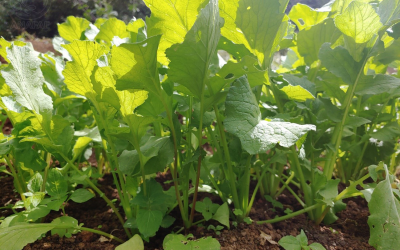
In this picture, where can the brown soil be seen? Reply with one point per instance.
(349, 232)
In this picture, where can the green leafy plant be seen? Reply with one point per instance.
(300, 242)
(179, 241)
(206, 102)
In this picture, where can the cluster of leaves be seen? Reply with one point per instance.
(209, 102)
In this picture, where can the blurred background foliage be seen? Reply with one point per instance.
(45, 25)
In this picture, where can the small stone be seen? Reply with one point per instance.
(70, 240)
(233, 239)
(46, 245)
(81, 245)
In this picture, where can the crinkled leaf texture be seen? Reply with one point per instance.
(243, 119)
(24, 77)
(384, 221)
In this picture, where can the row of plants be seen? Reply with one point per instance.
(196, 90)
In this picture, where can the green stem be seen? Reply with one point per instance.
(214, 183)
(341, 196)
(110, 236)
(259, 184)
(295, 161)
(123, 192)
(246, 187)
(288, 180)
(175, 168)
(46, 170)
(338, 131)
(17, 181)
(285, 185)
(200, 137)
(101, 194)
(285, 217)
(232, 179)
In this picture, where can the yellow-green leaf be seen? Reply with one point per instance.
(72, 28)
(128, 101)
(190, 60)
(173, 19)
(77, 73)
(359, 21)
(135, 65)
(112, 27)
(304, 16)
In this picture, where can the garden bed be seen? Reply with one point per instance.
(350, 231)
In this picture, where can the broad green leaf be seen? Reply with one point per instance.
(67, 221)
(190, 60)
(35, 183)
(243, 119)
(152, 106)
(56, 184)
(222, 215)
(297, 93)
(136, 65)
(59, 136)
(356, 121)
(329, 191)
(302, 238)
(135, 243)
(16, 237)
(339, 6)
(73, 28)
(359, 21)
(26, 124)
(173, 19)
(316, 246)
(263, 24)
(78, 72)
(157, 152)
(149, 221)
(339, 62)
(156, 199)
(35, 200)
(384, 221)
(302, 82)
(138, 124)
(378, 84)
(37, 212)
(179, 241)
(24, 77)
(52, 71)
(81, 195)
(388, 132)
(304, 16)
(4, 88)
(232, 71)
(30, 159)
(389, 12)
(391, 53)
(310, 40)
(290, 243)
(80, 145)
(137, 29)
(4, 44)
(126, 101)
(112, 27)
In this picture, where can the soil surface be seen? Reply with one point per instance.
(349, 232)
